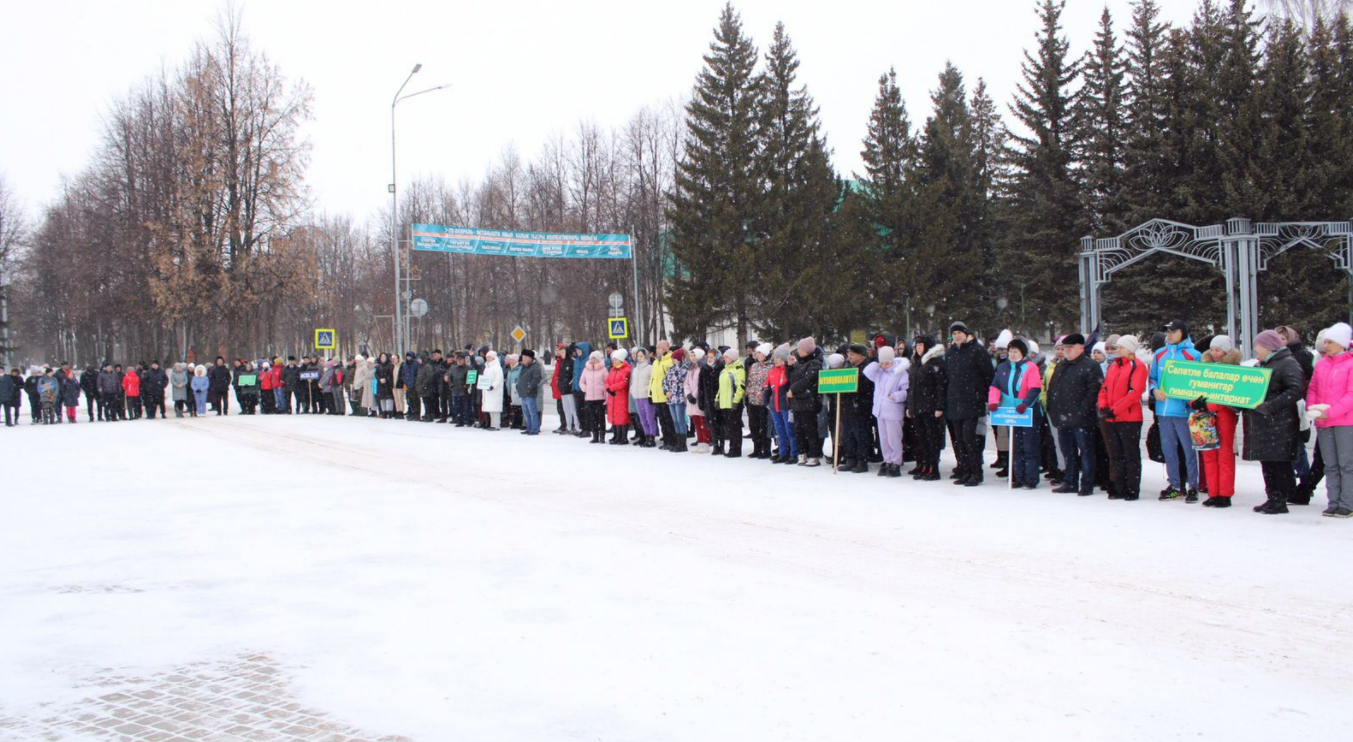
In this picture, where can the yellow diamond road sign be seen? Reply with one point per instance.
(518, 334)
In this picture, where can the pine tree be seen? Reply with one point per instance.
(1044, 211)
(1144, 101)
(987, 140)
(885, 201)
(795, 264)
(948, 268)
(1241, 116)
(716, 196)
(1100, 118)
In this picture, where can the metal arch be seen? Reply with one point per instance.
(1239, 249)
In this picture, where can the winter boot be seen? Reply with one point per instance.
(847, 463)
(1191, 495)
(862, 467)
(1274, 506)
(803, 460)
(1002, 458)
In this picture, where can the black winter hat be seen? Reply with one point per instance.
(1019, 345)
(959, 327)
(528, 353)
(858, 349)
(1074, 338)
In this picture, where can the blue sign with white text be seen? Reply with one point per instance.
(470, 241)
(1008, 416)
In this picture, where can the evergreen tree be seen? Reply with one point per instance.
(1100, 119)
(987, 141)
(885, 200)
(1145, 103)
(795, 264)
(1241, 125)
(717, 194)
(1045, 222)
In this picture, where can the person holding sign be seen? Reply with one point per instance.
(1219, 464)
(1329, 404)
(1172, 416)
(1272, 430)
(1019, 384)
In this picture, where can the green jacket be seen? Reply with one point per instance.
(732, 385)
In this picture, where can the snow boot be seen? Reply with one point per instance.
(803, 460)
(1002, 460)
(1273, 507)
(862, 467)
(894, 470)
(1191, 495)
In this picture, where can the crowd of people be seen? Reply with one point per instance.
(1087, 402)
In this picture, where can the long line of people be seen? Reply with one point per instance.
(1087, 400)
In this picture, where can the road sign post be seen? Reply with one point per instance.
(325, 338)
(618, 328)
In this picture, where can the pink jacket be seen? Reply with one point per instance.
(593, 382)
(1032, 380)
(1332, 384)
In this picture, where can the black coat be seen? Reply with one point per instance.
(89, 382)
(9, 389)
(1073, 394)
(929, 387)
(70, 392)
(528, 382)
(970, 373)
(218, 379)
(1273, 429)
(456, 383)
(803, 382)
(860, 405)
(153, 383)
(565, 376)
(1304, 359)
(385, 380)
(425, 383)
(707, 383)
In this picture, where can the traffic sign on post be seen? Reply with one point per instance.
(518, 333)
(418, 307)
(326, 339)
(618, 328)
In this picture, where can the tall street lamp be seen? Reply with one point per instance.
(401, 320)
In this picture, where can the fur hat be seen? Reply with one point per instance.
(1019, 345)
(1272, 341)
(1340, 333)
(528, 353)
(597, 356)
(836, 360)
(1222, 343)
(1003, 339)
(858, 349)
(886, 354)
(1128, 343)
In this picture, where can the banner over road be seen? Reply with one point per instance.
(470, 241)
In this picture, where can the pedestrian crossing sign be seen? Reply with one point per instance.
(619, 328)
(325, 339)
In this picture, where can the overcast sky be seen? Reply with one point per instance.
(520, 71)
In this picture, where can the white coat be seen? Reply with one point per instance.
(491, 386)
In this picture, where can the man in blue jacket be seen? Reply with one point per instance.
(1173, 416)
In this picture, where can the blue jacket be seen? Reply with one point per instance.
(579, 364)
(1181, 352)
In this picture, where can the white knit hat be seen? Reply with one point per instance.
(618, 355)
(764, 349)
(1128, 343)
(1099, 348)
(1003, 339)
(696, 354)
(1340, 333)
(886, 354)
(1222, 343)
(836, 360)
(730, 353)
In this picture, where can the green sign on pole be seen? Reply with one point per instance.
(838, 380)
(1219, 383)
(471, 377)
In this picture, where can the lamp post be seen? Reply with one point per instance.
(401, 320)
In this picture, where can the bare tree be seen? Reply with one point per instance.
(1305, 13)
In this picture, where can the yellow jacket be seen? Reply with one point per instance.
(660, 368)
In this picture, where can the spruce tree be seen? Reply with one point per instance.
(1241, 125)
(795, 263)
(1045, 218)
(885, 200)
(987, 140)
(1100, 118)
(716, 194)
(1144, 101)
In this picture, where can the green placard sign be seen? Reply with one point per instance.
(838, 380)
(1219, 383)
(471, 377)
(247, 379)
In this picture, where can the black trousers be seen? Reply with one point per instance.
(1125, 448)
(758, 426)
(805, 434)
(595, 422)
(968, 447)
(1279, 480)
(411, 406)
(432, 406)
(154, 403)
(89, 407)
(857, 430)
(732, 429)
(110, 406)
(929, 440)
(666, 424)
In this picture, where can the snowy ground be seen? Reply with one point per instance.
(277, 578)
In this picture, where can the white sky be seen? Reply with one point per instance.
(520, 71)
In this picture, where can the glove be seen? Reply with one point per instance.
(691, 398)
(1105, 412)
(992, 407)
(1198, 405)
(1021, 408)
(611, 392)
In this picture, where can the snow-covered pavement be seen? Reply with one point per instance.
(274, 578)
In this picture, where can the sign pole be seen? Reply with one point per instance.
(836, 441)
(638, 303)
(1010, 467)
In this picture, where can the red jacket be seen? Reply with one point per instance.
(618, 397)
(554, 380)
(131, 384)
(1123, 389)
(265, 380)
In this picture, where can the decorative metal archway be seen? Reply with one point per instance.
(1238, 249)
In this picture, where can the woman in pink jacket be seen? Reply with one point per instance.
(1329, 404)
(593, 386)
(1018, 384)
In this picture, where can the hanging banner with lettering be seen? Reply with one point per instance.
(470, 241)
